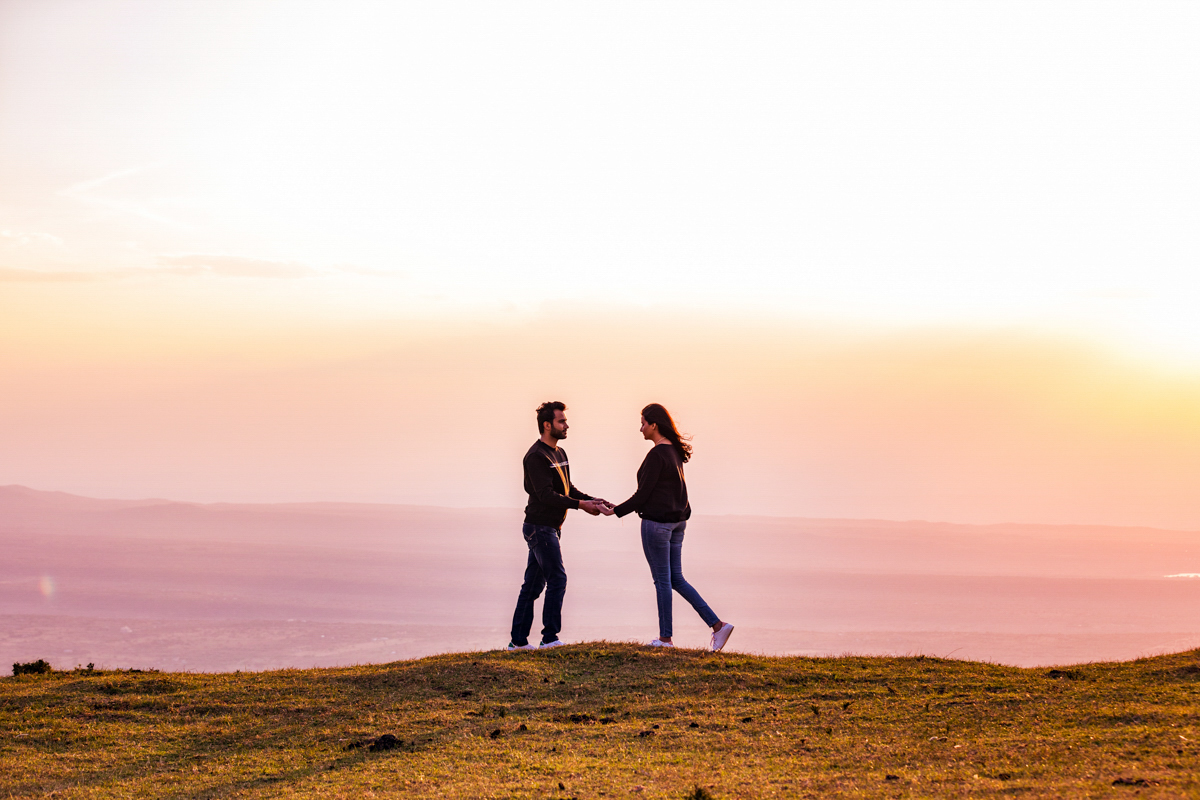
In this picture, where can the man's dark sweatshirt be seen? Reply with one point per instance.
(551, 494)
(661, 495)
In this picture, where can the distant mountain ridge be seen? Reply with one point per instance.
(16, 497)
(1015, 593)
(744, 542)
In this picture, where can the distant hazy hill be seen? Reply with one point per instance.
(213, 586)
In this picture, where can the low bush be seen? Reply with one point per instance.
(39, 667)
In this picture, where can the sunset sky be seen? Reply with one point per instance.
(904, 261)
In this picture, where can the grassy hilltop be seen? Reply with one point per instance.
(610, 720)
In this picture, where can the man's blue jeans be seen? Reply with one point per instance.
(544, 570)
(662, 542)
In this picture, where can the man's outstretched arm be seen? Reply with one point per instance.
(578, 495)
(592, 505)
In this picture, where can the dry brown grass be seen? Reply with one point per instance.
(611, 720)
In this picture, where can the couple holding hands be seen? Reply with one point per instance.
(660, 500)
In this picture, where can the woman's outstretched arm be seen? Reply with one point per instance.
(647, 476)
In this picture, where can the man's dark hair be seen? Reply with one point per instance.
(545, 413)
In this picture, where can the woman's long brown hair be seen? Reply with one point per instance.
(657, 415)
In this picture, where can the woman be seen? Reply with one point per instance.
(661, 501)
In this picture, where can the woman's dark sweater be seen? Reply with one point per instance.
(661, 495)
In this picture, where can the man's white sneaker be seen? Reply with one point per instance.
(661, 643)
(555, 643)
(527, 646)
(721, 636)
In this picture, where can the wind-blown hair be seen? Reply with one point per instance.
(657, 415)
(545, 413)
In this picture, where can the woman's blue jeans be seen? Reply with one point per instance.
(662, 542)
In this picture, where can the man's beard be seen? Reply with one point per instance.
(557, 434)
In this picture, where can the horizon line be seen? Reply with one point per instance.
(377, 504)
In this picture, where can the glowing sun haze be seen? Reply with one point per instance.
(921, 260)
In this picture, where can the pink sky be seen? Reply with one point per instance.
(908, 261)
(207, 403)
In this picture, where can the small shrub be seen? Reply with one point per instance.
(700, 794)
(39, 667)
(387, 741)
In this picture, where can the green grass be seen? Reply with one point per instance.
(611, 720)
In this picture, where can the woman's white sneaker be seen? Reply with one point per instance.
(661, 643)
(721, 636)
(555, 643)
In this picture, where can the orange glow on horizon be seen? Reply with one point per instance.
(818, 421)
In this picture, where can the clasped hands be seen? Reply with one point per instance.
(597, 507)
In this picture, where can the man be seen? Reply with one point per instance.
(551, 495)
